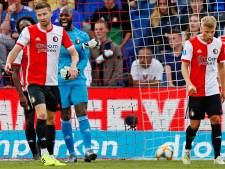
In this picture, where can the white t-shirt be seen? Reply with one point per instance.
(153, 72)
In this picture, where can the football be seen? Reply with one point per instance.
(164, 151)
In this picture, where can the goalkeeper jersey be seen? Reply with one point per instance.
(77, 37)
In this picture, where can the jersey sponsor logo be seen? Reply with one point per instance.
(55, 38)
(206, 60)
(215, 51)
(41, 47)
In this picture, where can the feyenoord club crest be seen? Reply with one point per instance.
(215, 51)
(77, 41)
(55, 38)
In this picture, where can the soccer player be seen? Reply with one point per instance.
(74, 92)
(43, 41)
(19, 67)
(203, 55)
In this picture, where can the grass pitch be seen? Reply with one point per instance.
(113, 164)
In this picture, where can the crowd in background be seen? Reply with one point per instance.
(146, 36)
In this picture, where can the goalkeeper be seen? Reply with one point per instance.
(74, 92)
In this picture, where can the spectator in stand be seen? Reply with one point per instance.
(172, 63)
(9, 17)
(163, 19)
(217, 9)
(198, 7)
(107, 66)
(118, 21)
(194, 26)
(146, 71)
(13, 13)
(6, 44)
(77, 18)
(32, 3)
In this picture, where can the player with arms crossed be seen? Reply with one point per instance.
(19, 68)
(202, 57)
(43, 41)
(74, 92)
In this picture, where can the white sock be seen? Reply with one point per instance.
(44, 151)
(187, 151)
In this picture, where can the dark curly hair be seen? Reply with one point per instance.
(30, 19)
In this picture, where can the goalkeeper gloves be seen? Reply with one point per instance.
(106, 54)
(93, 43)
(65, 74)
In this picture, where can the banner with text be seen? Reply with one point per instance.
(114, 144)
(157, 109)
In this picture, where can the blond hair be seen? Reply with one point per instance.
(209, 21)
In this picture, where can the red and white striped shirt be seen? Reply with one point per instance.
(203, 58)
(43, 49)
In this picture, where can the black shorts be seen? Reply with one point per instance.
(198, 106)
(44, 94)
(30, 107)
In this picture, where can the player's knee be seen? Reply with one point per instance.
(65, 115)
(51, 121)
(81, 113)
(215, 119)
(81, 109)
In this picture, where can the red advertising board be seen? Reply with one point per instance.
(157, 108)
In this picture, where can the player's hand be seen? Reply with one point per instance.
(8, 68)
(93, 43)
(64, 72)
(191, 89)
(24, 102)
(73, 72)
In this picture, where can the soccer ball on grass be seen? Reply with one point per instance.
(164, 151)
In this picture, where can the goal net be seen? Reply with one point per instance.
(164, 26)
(132, 119)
